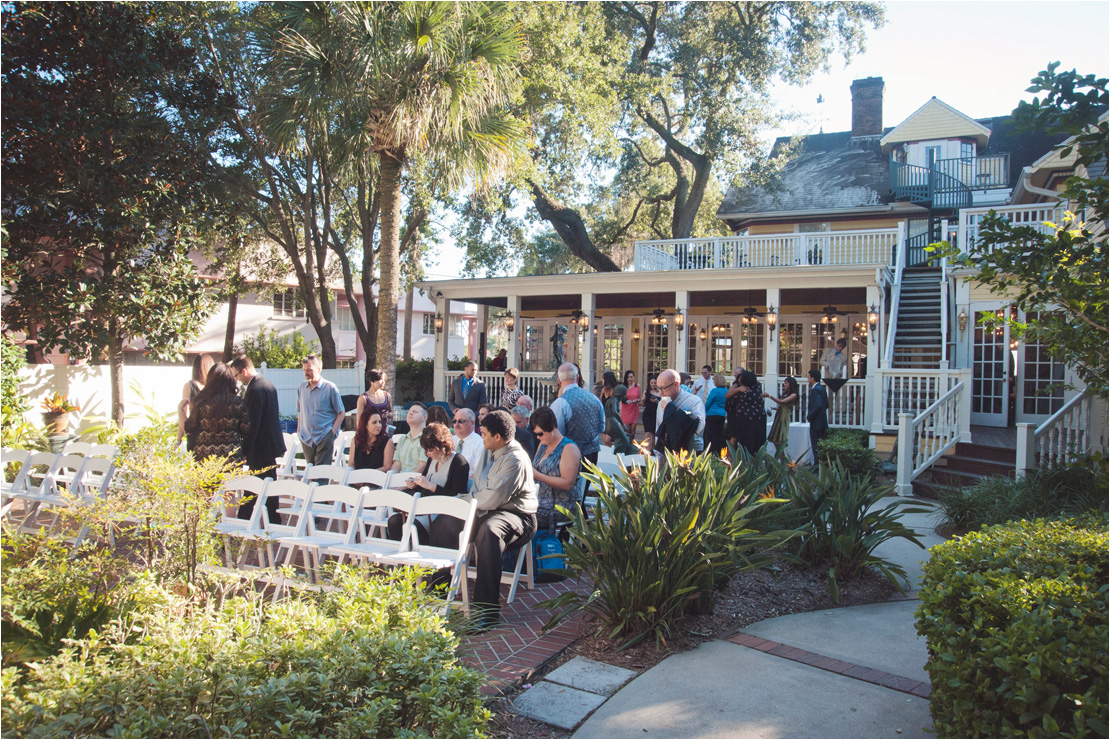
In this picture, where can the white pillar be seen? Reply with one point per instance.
(439, 381)
(771, 346)
(965, 405)
(586, 340)
(513, 307)
(1026, 453)
(682, 304)
(481, 328)
(904, 483)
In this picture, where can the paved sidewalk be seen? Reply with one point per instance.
(851, 672)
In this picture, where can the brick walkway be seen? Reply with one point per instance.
(512, 653)
(825, 663)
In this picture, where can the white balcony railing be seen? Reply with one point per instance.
(875, 246)
(1023, 215)
(1061, 438)
(540, 387)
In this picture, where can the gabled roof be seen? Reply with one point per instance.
(935, 120)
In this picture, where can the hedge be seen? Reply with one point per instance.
(1015, 618)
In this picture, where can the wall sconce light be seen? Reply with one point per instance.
(872, 320)
(772, 318)
(703, 334)
(635, 335)
(962, 321)
(510, 322)
(595, 330)
(679, 321)
(438, 321)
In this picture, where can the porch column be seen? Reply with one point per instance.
(514, 357)
(682, 304)
(873, 389)
(481, 327)
(439, 382)
(586, 340)
(962, 356)
(771, 346)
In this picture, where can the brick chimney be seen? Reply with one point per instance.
(867, 107)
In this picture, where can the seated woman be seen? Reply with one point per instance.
(444, 474)
(555, 469)
(372, 448)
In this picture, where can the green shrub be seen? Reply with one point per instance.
(51, 595)
(849, 447)
(413, 380)
(1016, 623)
(1063, 490)
(677, 534)
(371, 659)
(843, 524)
(278, 351)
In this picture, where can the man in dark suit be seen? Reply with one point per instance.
(263, 442)
(817, 412)
(467, 391)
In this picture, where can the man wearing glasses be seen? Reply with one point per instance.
(467, 443)
(675, 405)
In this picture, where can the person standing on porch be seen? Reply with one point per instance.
(320, 413)
(816, 414)
(704, 384)
(467, 391)
(630, 406)
(578, 413)
(780, 428)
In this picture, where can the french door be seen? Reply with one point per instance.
(991, 364)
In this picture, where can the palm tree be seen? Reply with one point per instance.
(432, 78)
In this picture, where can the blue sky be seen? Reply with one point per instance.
(976, 56)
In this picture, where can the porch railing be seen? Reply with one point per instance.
(1023, 215)
(924, 438)
(1061, 438)
(874, 246)
(846, 407)
(540, 387)
(913, 391)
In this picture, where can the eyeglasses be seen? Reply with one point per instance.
(461, 421)
(665, 387)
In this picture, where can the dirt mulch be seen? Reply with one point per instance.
(785, 588)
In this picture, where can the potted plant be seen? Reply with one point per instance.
(289, 423)
(55, 412)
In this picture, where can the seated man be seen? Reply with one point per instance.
(507, 504)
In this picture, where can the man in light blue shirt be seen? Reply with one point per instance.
(320, 413)
(678, 398)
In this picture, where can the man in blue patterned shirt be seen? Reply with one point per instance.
(579, 413)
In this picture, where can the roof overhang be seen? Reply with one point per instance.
(894, 209)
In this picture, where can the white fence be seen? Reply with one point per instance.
(145, 386)
(540, 387)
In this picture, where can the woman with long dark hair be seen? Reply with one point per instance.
(218, 420)
(751, 417)
(372, 447)
(780, 427)
(612, 397)
(630, 406)
(651, 411)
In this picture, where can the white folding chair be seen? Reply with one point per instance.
(313, 541)
(231, 494)
(38, 482)
(363, 548)
(326, 474)
(436, 558)
(631, 461)
(89, 485)
(295, 491)
(104, 450)
(78, 448)
(524, 571)
(370, 479)
(12, 456)
(606, 454)
(342, 448)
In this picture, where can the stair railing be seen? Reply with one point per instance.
(944, 301)
(896, 293)
(924, 438)
(1061, 438)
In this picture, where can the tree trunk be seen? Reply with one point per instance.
(572, 230)
(683, 222)
(115, 373)
(388, 258)
(406, 351)
(232, 310)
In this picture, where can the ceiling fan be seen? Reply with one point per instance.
(749, 315)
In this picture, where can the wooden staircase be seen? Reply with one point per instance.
(917, 341)
(966, 465)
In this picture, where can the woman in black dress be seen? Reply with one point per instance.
(748, 423)
(372, 447)
(217, 421)
(651, 411)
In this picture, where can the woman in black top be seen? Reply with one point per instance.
(445, 474)
(651, 408)
(372, 448)
(748, 422)
(218, 420)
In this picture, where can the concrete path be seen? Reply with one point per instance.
(850, 672)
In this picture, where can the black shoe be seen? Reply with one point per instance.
(484, 618)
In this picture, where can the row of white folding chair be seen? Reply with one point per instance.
(44, 476)
(87, 449)
(292, 464)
